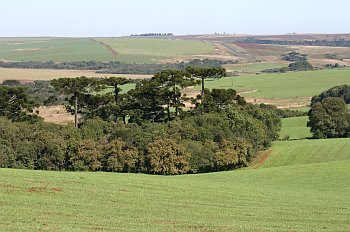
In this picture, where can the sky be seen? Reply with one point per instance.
(80, 18)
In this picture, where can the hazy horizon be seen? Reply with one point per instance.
(107, 18)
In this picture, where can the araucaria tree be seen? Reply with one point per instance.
(205, 73)
(15, 103)
(171, 82)
(74, 87)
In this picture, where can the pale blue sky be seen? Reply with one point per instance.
(124, 17)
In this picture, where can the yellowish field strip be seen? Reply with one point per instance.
(46, 74)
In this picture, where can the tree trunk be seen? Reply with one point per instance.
(116, 94)
(168, 110)
(202, 93)
(175, 100)
(76, 111)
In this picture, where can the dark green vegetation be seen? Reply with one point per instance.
(16, 104)
(328, 43)
(342, 91)
(329, 117)
(113, 67)
(294, 57)
(143, 130)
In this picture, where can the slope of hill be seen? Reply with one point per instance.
(295, 128)
(298, 152)
(311, 197)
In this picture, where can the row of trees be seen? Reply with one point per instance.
(198, 143)
(151, 100)
(114, 67)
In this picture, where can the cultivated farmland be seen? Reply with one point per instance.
(127, 50)
(286, 90)
(307, 197)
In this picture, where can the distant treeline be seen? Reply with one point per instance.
(330, 43)
(152, 34)
(113, 67)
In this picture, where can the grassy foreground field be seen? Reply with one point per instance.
(312, 197)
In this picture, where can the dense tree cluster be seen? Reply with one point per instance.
(197, 143)
(114, 67)
(342, 91)
(300, 66)
(294, 57)
(152, 35)
(15, 104)
(40, 91)
(144, 130)
(329, 118)
(328, 43)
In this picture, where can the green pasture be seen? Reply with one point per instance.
(128, 50)
(53, 49)
(148, 50)
(298, 152)
(313, 197)
(285, 85)
(295, 128)
(254, 67)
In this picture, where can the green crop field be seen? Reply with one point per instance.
(147, 50)
(298, 152)
(255, 67)
(295, 128)
(286, 85)
(128, 50)
(312, 197)
(55, 49)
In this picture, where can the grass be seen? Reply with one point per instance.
(255, 67)
(128, 50)
(55, 49)
(147, 50)
(287, 85)
(298, 152)
(298, 198)
(295, 128)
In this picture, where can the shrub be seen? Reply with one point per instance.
(119, 157)
(167, 157)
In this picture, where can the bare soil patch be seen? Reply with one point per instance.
(43, 190)
(56, 114)
(282, 103)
